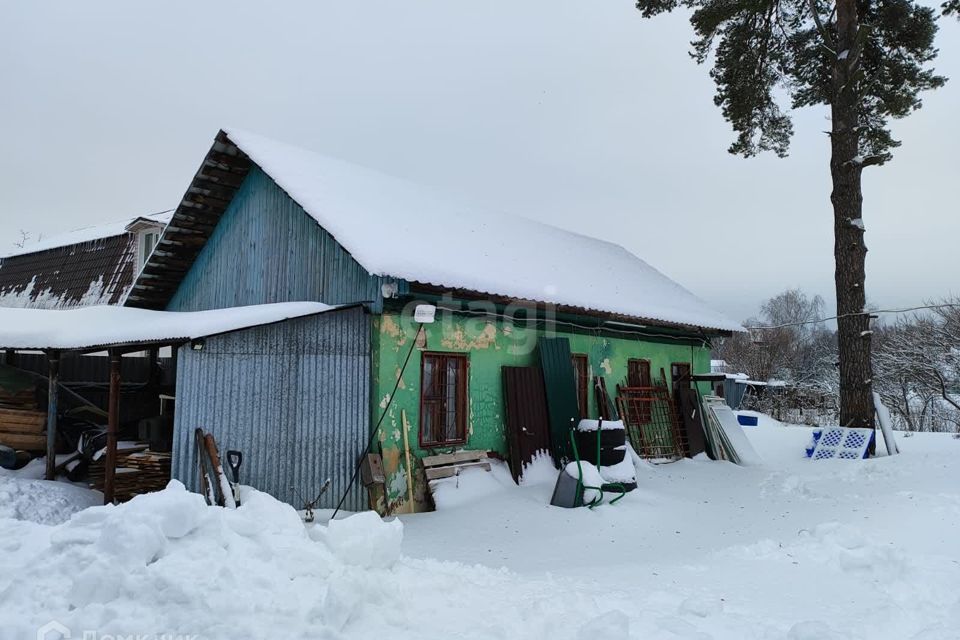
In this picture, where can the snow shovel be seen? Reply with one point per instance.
(234, 459)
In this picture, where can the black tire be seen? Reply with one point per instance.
(609, 438)
(608, 456)
(8, 457)
(614, 487)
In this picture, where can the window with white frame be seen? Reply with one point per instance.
(148, 240)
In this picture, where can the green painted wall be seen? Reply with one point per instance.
(490, 345)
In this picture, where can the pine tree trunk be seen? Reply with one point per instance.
(850, 252)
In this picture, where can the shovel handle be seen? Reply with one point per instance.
(234, 460)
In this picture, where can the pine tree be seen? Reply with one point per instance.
(867, 60)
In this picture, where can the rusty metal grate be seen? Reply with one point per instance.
(650, 417)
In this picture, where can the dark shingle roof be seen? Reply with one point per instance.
(98, 271)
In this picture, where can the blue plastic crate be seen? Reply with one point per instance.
(748, 421)
(813, 442)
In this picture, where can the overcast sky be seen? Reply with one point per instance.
(581, 114)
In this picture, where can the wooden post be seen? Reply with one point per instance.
(53, 386)
(406, 452)
(113, 420)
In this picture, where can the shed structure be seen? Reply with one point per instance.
(265, 222)
(292, 396)
(286, 384)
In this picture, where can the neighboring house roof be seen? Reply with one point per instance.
(398, 229)
(90, 266)
(104, 326)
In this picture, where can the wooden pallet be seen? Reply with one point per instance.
(447, 465)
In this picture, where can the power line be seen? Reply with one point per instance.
(858, 313)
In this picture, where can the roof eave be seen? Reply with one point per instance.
(433, 290)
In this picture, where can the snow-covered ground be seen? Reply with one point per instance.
(792, 549)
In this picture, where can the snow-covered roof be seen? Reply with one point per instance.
(103, 326)
(395, 228)
(86, 267)
(85, 234)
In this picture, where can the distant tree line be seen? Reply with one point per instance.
(916, 362)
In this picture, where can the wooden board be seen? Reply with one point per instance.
(453, 458)
(15, 416)
(6, 427)
(26, 442)
(435, 473)
(692, 422)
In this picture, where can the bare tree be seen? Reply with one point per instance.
(918, 369)
(24, 238)
(788, 343)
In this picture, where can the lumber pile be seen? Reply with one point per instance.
(139, 470)
(23, 429)
(18, 399)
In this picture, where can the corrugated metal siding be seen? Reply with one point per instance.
(293, 397)
(733, 393)
(560, 386)
(267, 249)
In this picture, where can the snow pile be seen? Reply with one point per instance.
(839, 550)
(590, 477)
(168, 563)
(165, 564)
(365, 540)
(43, 502)
(624, 471)
(471, 484)
(539, 471)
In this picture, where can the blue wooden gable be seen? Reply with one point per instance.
(266, 248)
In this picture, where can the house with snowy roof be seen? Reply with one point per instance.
(91, 266)
(266, 222)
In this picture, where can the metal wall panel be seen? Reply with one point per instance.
(292, 396)
(561, 389)
(266, 248)
(733, 393)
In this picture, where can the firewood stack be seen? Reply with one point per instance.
(139, 470)
(22, 426)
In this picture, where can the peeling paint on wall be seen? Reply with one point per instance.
(489, 345)
(459, 340)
